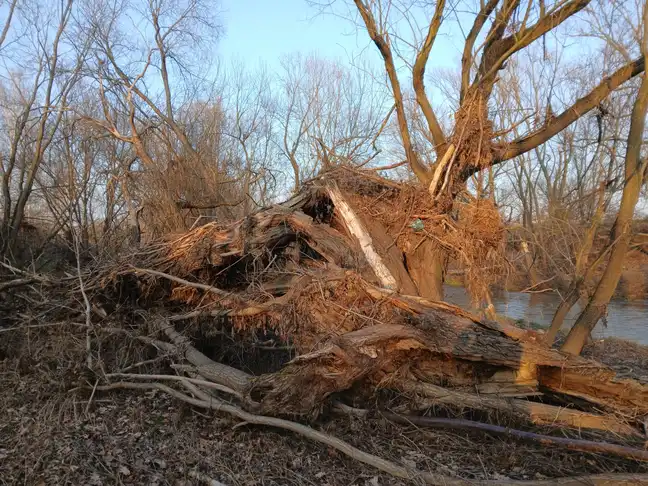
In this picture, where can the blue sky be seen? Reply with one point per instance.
(264, 30)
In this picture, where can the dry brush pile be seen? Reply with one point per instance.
(306, 309)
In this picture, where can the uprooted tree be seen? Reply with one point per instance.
(311, 278)
(306, 292)
(338, 294)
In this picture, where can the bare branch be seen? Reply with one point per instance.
(382, 43)
(574, 112)
(467, 57)
(418, 78)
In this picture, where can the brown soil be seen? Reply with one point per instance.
(46, 437)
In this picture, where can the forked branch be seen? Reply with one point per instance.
(467, 57)
(501, 50)
(382, 43)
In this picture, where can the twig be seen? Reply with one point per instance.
(208, 384)
(439, 170)
(182, 281)
(15, 270)
(94, 389)
(88, 307)
(19, 282)
(530, 289)
(389, 167)
(144, 363)
(36, 326)
(571, 444)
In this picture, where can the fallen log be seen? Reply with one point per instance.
(351, 332)
(598, 386)
(534, 412)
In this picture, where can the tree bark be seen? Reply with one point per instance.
(426, 265)
(562, 311)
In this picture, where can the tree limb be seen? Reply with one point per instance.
(422, 172)
(508, 46)
(574, 112)
(545, 440)
(418, 78)
(467, 57)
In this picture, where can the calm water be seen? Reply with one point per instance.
(627, 320)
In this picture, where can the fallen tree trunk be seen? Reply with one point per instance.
(309, 271)
(534, 412)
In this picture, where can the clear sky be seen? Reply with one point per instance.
(264, 30)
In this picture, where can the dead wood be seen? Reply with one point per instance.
(219, 373)
(599, 386)
(19, 282)
(545, 440)
(295, 268)
(345, 448)
(325, 277)
(537, 413)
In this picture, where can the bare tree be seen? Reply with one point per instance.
(504, 27)
(40, 108)
(172, 37)
(328, 115)
(249, 124)
(635, 169)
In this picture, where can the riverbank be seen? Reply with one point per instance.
(626, 319)
(633, 284)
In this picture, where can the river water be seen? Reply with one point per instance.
(627, 320)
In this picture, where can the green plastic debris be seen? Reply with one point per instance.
(417, 225)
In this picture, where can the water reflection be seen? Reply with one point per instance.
(628, 320)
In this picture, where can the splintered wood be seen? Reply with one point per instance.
(310, 271)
